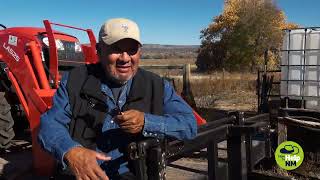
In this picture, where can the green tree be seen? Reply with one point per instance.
(238, 38)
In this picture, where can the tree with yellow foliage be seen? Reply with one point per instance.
(238, 38)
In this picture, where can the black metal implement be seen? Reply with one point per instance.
(151, 155)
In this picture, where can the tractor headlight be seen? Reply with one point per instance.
(45, 40)
(77, 47)
(59, 43)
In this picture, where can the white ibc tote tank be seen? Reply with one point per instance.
(300, 66)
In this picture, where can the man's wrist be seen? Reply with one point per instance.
(68, 154)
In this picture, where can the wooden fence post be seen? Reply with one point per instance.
(186, 91)
(186, 79)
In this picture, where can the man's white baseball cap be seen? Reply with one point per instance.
(114, 30)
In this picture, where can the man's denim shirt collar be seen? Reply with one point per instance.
(107, 91)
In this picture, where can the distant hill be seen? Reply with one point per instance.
(159, 46)
(158, 51)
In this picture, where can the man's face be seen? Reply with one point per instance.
(121, 59)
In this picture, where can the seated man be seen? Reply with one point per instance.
(100, 108)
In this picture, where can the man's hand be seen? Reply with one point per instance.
(130, 121)
(83, 163)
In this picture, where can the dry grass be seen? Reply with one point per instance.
(167, 61)
(230, 91)
(223, 82)
(225, 91)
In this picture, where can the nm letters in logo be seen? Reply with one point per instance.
(289, 155)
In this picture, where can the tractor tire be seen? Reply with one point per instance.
(6, 123)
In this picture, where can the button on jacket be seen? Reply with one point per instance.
(177, 121)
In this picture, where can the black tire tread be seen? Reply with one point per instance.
(6, 123)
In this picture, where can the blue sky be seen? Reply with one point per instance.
(160, 21)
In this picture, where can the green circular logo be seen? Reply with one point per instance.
(289, 155)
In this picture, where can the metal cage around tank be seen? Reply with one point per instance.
(300, 68)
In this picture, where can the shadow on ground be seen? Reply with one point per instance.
(16, 161)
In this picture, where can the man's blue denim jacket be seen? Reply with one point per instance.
(177, 121)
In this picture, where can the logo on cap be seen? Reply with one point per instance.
(125, 28)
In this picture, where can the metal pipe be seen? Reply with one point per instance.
(300, 110)
(53, 53)
(93, 44)
(304, 28)
(32, 75)
(177, 148)
(288, 70)
(304, 69)
(302, 122)
(37, 62)
(72, 27)
(260, 117)
(216, 123)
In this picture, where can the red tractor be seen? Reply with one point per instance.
(32, 62)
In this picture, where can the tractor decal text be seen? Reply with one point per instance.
(11, 51)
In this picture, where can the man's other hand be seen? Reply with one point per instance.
(130, 121)
(83, 163)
